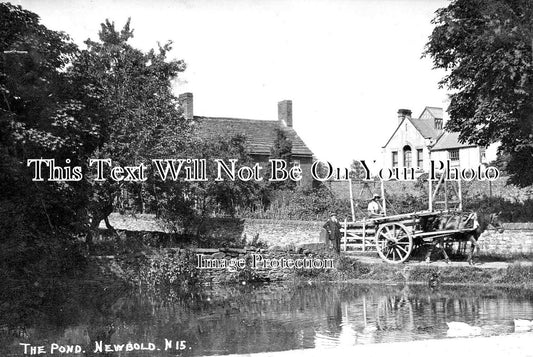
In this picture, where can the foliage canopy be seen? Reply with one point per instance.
(486, 48)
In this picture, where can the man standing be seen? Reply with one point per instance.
(374, 208)
(333, 227)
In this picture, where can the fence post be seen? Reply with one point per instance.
(364, 233)
(460, 194)
(430, 194)
(351, 199)
(383, 199)
(345, 236)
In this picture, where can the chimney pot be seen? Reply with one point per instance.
(403, 113)
(186, 102)
(285, 112)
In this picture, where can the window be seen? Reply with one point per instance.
(407, 157)
(420, 158)
(483, 155)
(438, 123)
(395, 159)
(453, 155)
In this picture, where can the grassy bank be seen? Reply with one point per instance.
(516, 275)
(179, 270)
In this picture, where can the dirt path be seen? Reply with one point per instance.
(515, 345)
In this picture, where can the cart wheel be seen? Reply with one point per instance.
(394, 243)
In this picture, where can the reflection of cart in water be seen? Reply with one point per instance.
(394, 237)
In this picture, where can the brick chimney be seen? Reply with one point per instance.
(403, 113)
(185, 100)
(285, 112)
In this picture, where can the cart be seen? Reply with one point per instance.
(395, 237)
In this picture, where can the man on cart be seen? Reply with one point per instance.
(374, 208)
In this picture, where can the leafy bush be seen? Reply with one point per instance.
(248, 274)
(405, 203)
(510, 211)
(352, 268)
(301, 204)
(318, 202)
(178, 270)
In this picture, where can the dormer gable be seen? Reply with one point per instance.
(435, 116)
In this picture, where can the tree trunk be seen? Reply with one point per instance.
(97, 216)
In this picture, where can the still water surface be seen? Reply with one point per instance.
(248, 319)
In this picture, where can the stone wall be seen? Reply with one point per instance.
(515, 241)
(272, 232)
(281, 233)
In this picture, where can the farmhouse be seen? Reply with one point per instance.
(260, 134)
(415, 142)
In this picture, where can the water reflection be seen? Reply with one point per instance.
(268, 318)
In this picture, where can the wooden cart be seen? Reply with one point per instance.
(394, 237)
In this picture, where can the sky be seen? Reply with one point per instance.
(348, 66)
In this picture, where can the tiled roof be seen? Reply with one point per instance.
(449, 141)
(426, 127)
(435, 111)
(260, 134)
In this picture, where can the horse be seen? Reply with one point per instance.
(479, 222)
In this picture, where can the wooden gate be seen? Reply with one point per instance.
(359, 236)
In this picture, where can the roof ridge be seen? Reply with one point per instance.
(228, 118)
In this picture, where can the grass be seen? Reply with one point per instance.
(515, 275)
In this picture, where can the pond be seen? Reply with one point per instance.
(260, 318)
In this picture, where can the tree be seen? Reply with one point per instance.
(357, 170)
(486, 48)
(130, 94)
(40, 117)
(281, 149)
(205, 198)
